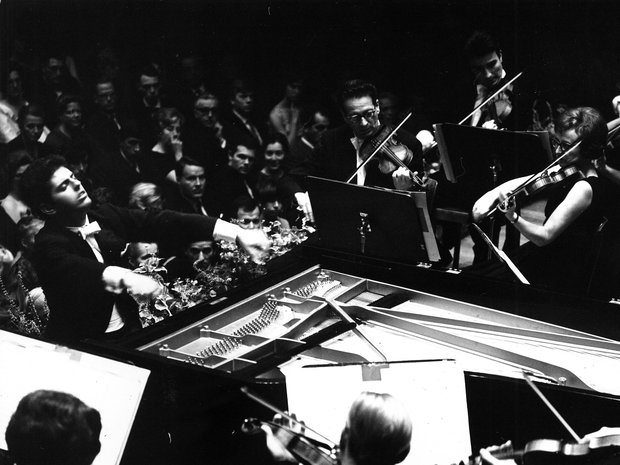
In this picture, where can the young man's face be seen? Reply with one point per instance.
(249, 220)
(72, 116)
(243, 102)
(192, 181)
(105, 97)
(487, 69)
(149, 88)
(201, 250)
(205, 111)
(242, 160)
(67, 192)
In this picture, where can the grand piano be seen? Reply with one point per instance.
(321, 306)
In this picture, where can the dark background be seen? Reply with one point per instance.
(569, 49)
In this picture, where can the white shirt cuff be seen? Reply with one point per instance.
(224, 230)
(112, 278)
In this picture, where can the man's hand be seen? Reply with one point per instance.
(254, 242)
(402, 179)
(117, 279)
(491, 124)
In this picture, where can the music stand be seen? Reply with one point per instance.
(480, 158)
(378, 223)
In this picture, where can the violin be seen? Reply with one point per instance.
(552, 178)
(304, 449)
(390, 153)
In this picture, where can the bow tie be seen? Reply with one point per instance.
(89, 229)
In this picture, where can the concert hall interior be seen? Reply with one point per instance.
(396, 221)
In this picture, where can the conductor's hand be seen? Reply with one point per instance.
(255, 243)
(141, 286)
(402, 179)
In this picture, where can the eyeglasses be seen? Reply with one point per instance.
(247, 221)
(368, 115)
(562, 146)
(197, 250)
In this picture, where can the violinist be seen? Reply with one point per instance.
(377, 432)
(341, 150)
(486, 62)
(561, 251)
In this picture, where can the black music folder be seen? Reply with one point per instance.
(378, 223)
(488, 157)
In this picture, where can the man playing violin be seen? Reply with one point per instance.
(486, 62)
(341, 150)
(562, 250)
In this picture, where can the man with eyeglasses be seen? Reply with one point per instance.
(105, 124)
(205, 139)
(339, 151)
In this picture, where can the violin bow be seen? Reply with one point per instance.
(529, 381)
(379, 147)
(535, 176)
(275, 409)
(501, 255)
(491, 97)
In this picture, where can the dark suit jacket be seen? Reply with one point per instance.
(334, 158)
(238, 127)
(113, 171)
(224, 189)
(70, 274)
(104, 131)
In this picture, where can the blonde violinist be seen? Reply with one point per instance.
(561, 251)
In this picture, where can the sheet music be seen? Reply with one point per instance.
(113, 388)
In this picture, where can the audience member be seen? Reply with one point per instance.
(205, 139)
(105, 124)
(249, 214)
(284, 117)
(186, 195)
(182, 266)
(119, 170)
(242, 115)
(167, 151)
(12, 207)
(69, 135)
(31, 122)
(233, 180)
(314, 122)
(139, 254)
(145, 196)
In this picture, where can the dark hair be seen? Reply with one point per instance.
(182, 163)
(356, 88)
(242, 140)
(240, 85)
(481, 43)
(53, 428)
(102, 80)
(150, 71)
(63, 102)
(34, 183)
(589, 126)
(15, 160)
(277, 137)
(245, 204)
(130, 128)
(166, 115)
(31, 109)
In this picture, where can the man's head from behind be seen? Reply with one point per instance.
(485, 59)
(53, 428)
(49, 188)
